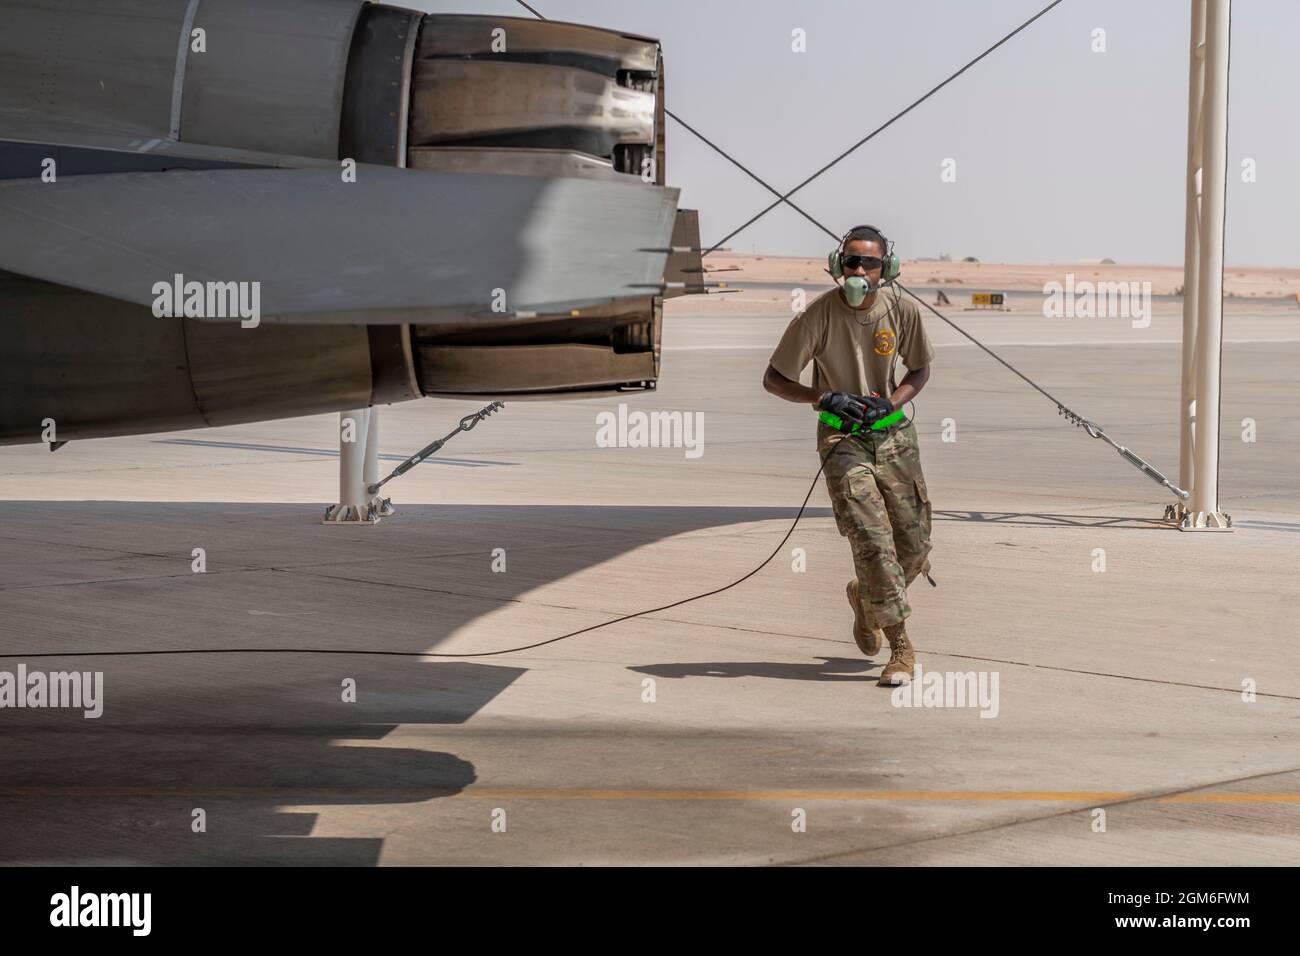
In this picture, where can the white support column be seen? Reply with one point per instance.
(353, 506)
(1191, 251)
(1203, 510)
(379, 507)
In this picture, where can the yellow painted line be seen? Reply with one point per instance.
(1232, 798)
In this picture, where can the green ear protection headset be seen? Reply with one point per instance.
(888, 272)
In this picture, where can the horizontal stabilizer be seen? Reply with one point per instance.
(396, 245)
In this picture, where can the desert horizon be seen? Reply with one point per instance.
(758, 282)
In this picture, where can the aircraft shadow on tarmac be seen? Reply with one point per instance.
(831, 669)
(122, 788)
(244, 736)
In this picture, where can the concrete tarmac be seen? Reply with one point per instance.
(744, 728)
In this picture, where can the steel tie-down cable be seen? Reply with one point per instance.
(879, 129)
(507, 650)
(852, 149)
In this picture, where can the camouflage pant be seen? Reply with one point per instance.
(882, 506)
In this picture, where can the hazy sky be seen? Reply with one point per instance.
(1061, 153)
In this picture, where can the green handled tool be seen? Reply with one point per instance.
(834, 421)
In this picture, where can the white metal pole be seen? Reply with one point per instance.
(1209, 324)
(352, 491)
(1191, 246)
(370, 473)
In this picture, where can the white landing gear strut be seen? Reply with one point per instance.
(358, 471)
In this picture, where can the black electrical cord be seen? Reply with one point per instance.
(821, 467)
(508, 650)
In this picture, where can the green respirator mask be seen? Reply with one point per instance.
(855, 290)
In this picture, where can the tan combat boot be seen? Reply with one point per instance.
(865, 633)
(902, 657)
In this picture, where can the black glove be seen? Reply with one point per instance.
(876, 407)
(849, 407)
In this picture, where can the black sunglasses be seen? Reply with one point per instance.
(867, 262)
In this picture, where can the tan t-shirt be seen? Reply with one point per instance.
(854, 350)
